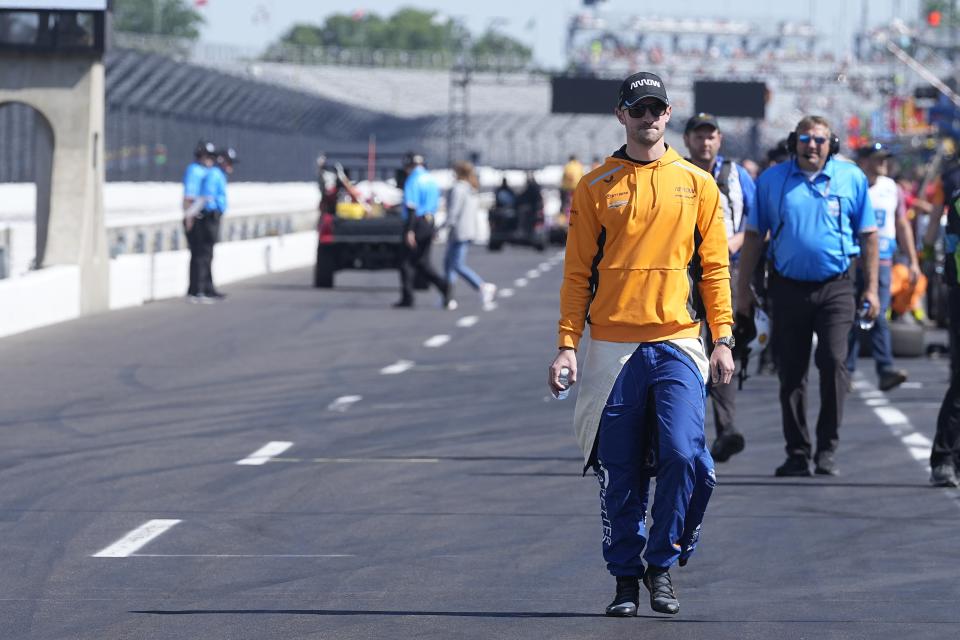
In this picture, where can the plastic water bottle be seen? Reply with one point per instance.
(866, 323)
(565, 383)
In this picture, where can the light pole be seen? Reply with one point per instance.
(157, 16)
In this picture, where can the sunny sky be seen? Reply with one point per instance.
(543, 22)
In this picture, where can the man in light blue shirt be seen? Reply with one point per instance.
(421, 198)
(817, 212)
(738, 199)
(206, 230)
(193, 203)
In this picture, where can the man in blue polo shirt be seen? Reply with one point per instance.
(421, 197)
(193, 203)
(206, 230)
(817, 211)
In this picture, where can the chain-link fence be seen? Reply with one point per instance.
(158, 109)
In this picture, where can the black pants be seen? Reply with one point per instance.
(723, 396)
(201, 237)
(799, 310)
(418, 260)
(946, 444)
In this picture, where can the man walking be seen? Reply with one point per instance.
(635, 224)
(421, 197)
(892, 225)
(738, 197)
(572, 172)
(945, 453)
(817, 211)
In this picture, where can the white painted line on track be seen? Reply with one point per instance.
(918, 445)
(467, 321)
(264, 453)
(544, 267)
(520, 282)
(380, 460)
(397, 367)
(890, 415)
(362, 460)
(533, 273)
(136, 539)
(436, 341)
(876, 402)
(912, 385)
(343, 403)
(505, 293)
(243, 555)
(917, 440)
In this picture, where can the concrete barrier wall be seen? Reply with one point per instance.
(140, 278)
(52, 295)
(39, 298)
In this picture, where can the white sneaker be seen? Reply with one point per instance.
(488, 291)
(451, 305)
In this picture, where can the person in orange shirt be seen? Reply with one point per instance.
(572, 172)
(646, 229)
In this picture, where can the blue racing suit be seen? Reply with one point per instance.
(657, 402)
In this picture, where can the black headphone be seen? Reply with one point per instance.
(792, 143)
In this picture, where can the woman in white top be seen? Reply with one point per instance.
(463, 220)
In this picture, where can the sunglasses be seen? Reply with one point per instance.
(656, 110)
(805, 138)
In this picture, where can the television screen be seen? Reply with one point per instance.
(583, 94)
(730, 99)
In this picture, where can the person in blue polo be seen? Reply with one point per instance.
(816, 209)
(207, 226)
(193, 203)
(421, 198)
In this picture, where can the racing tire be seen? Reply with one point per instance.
(907, 340)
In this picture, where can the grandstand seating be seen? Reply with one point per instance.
(279, 115)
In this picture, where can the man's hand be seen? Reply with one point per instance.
(744, 306)
(721, 364)
(566, 358)
(188, 223)
(914, 273)
(411, 239)
(873, 300)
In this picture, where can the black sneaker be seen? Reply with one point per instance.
(625, 602)
(944, 475)
(825, 464)
(727, 445)
(794, 467)
(658, 583)
(403, 304)
(891, 379)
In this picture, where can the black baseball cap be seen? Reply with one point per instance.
(639, 86)
(228, 155)
(411, 159)
(205, 148)
(874, 149)
(702, 120)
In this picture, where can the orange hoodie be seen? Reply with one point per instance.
(634, 230)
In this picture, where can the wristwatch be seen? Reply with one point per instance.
(726, 341)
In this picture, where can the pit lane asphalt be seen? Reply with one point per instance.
(445, 503)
